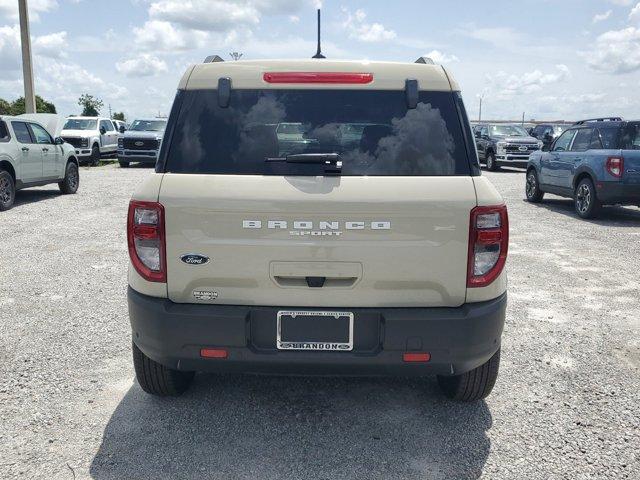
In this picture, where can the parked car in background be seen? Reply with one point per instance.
(505, 144)
(141, 142)
(30, 156)
(92, 137)
(595, 162)
(121, 126)
(548, 132)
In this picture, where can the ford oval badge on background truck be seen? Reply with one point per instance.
(365, 244)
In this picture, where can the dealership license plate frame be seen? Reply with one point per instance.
(310, 345)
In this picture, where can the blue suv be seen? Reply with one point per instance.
(596, 162)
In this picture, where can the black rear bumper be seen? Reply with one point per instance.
(619, 193)
(458, 339)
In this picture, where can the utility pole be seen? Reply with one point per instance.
(523, 119)
(480, 97)
(110, 114)
(27, 65)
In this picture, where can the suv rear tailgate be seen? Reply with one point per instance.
(406, 244)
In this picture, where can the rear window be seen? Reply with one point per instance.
(372, 131)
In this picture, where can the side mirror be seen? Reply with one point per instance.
(122, 129)
(103, 130)
(546, 147)
(58, 141)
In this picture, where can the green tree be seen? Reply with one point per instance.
(5, 107)
(42, 106)
(90, 105)
(119, 116)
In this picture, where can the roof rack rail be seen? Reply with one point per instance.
(425, 61)
(213, 59)
(602, 119)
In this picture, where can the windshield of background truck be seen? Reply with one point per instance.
(507, 131)
(80, 124)
(148, 125)
(373, 132)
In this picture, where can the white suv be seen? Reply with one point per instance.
(364, 243)
(30, 157)
(92, 138)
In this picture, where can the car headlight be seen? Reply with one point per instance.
(120, 142)
(540, 144)
(501, 145)
(84, 142)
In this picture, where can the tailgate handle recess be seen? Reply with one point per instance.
(316, 282)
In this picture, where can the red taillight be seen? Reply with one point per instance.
(416, 357)
(615, 166)
(488, 244)
(213, 353)
(146, 240)
(318, 77)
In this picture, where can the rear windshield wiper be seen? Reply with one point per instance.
(331, 161)
(321, 158)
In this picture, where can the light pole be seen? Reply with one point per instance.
(480, 97)
(27, 65)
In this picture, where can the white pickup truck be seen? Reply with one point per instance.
(30, 156)
(92, 137)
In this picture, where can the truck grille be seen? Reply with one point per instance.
(140, 144)
(75, 141)
(516, 148)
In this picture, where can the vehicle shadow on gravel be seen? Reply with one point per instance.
(24, 197)
(609, 216)
(250, 427)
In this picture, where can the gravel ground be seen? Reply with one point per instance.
(566, 404)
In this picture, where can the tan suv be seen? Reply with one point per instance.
(368, 245)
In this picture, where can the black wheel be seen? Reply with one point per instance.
(532, 187)
(71, 180)
(474, 385)
(492, 165)
(586, 200)
(7, 190)
(95, 156)
(157, 379)
(123, 164)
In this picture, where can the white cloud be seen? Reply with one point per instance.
(634, 15)
(144, 65)
(600, 17)
(163, 36)
(10, 48)
(616, 51)
(53, 45)
(440, 57)
(9, 8)
(505, 86)
(294, 19)
(356, 26)
(496, 36)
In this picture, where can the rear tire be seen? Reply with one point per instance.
(492, 165)
(586, 199)
(532, 187)
(7, 190)
(71, 181)
(157, 379)
(94, 161)
(474, 385)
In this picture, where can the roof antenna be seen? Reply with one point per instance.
(319, 52)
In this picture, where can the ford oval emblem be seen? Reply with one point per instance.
(194, 259)
(139, 143)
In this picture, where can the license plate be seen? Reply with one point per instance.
(311, 330)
